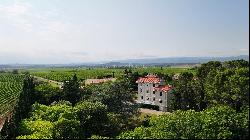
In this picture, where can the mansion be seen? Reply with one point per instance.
(152, 90)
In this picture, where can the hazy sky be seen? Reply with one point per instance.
(66, 31)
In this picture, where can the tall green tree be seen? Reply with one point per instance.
(185, 97)
(132, 78)
(26, 98)
(119, 98)
(92, 117)
(71, 90)
(202, 73)
(168, 78)
(228, 87)
(15, 71)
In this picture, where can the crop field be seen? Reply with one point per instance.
(11, 84)
(60, 74)
(10, 87)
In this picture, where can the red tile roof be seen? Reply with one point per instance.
(149, 79)
(165, 88)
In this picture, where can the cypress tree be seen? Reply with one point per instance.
(71, 90)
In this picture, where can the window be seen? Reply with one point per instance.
(147, 91)
(147, 98)
(153, 92)
(141, 97)
(153, 85)
(160, 100)
(160, 93)
(153, 98)
(141, 90)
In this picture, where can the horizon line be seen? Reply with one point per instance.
(108, 61)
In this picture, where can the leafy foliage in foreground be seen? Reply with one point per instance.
(61, 121)
(220, 122)
(47, 94)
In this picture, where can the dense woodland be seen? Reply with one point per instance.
(211, 103)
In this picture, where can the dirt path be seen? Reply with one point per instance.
(3, 119)
(149, 111)
(52, 82)
(55, 83)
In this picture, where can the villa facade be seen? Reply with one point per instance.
(152, 90)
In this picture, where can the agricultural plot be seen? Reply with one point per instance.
(10, 87)
(61, 75)
(66, 73)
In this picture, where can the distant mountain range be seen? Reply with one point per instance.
(185, 59)
(170, 61)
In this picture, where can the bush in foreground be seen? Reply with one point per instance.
(219, 122)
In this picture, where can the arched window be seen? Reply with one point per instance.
(160, 101)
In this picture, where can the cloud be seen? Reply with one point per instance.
(216, 52)
(76, 32)
(49, 26)
(15, 10)
(25, 17)
(79, 53)
(244, 49)
(17, 15)
(142, 55)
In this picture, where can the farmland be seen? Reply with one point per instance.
(10, 86)
(60, 74)
(74, 110)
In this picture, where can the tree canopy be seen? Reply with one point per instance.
(219, 122)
